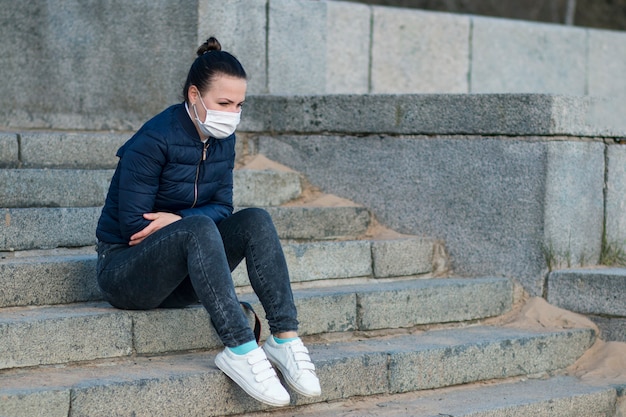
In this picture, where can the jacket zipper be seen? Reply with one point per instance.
(195, 184)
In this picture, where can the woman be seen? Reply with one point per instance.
(167, 235)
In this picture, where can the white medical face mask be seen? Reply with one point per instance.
(218, 124)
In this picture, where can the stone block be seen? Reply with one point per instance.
(419, 52)
(320, 223)
(506, 353)
(296, 47)
(56, 335)
(411, 303)
(325, 311)
(519, 115)
(615, 221)
(37, 403)
(320, 260)
(611, 328)
(327, 260)
(48, 280)
(574, 203)
(164, 387)
(167, 330)
(240, 26)
(347, 48)
(351, 371)
(100, 55)
(599, 291)
(71, 150)
(558, 396)
(25, 188)
(44, 228)
(264, 188)
(403, 256)
(606, 63)
(9, 151)
(524, 57)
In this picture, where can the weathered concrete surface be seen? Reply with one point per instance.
(9, 150)
(62, 335)
(416, 51)
(590, 291)
(41, 228)
(402, 256)
(241, 28)
(497, 202)
(525, 57)
(90, 57)
(597, 293)
(264, 188)
(431, 114)
(194, 386)
(288, 47)
(606, 63)
(48, 280)
(53, 188)
(616, 197)
(560, 396)
(44, 335)
(88, 150)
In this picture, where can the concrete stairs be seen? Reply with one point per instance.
(384, 323)
(598, 293)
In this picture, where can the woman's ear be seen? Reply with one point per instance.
(192, 95)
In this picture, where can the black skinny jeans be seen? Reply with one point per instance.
(191, 260)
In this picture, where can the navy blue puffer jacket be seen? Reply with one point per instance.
(166, 167)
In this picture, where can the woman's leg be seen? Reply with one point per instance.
(250, 234)
(145, 276)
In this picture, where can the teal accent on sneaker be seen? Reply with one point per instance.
(281, 341)
(245, 348)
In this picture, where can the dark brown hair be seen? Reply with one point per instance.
(210, 64)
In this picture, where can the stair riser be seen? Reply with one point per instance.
(53, 188)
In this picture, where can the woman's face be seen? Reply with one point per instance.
(226, 93)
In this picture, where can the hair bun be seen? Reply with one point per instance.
(211, 44)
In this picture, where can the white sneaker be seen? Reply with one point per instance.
(255, 375)
(293, 361)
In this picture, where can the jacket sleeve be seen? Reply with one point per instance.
(221, 204)
(141, 164)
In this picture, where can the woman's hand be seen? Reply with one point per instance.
(157, 221)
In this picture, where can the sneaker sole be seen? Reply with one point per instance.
(289, 381)
(223, 366)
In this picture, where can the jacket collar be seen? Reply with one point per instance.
(186, 122)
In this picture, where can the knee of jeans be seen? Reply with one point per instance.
(201, 225)
(258, 217)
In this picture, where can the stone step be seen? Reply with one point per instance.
(561, 396)
(42, 228)
(190, 384)
(62, 276)
(597, 292)
(59, 149)
(25, 188)
(32, 336)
